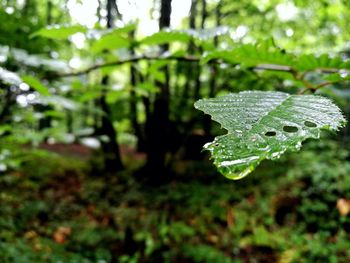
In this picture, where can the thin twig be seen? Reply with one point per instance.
(299, 76)
(125, 61)
(308, 85)
(303, 91)
(325, 84)
(270, 67)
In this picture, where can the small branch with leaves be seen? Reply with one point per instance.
(298, 76)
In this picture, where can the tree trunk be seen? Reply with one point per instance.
(111, 150)
(49, 13)
(157, 126)
(198, 66)
(184, 99)
(8, 102)
(207, 123)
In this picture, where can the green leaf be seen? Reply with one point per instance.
(4, 129)
(156, 72)
(225, 55)
(110, 41)
(311, 62)
(337, 77)
(164, 37)
(248, 55)
(125, 29)
(114, 95)
(58, 32)
(89, 95)
(54, 114)
(207, 33)
(146, 88)
(264, 125)
(36, 84)
(183, 36)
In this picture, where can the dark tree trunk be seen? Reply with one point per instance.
(69, 122)
(109, 13)
(193, 14)
(157, 126)
(45, 122)
(165, 13)
(49, 13)
(213, 73)
(7, 103)
(198, 84)
(111, 150)
(204, 13)
(26, 8)
(184, 99)
(98, 11)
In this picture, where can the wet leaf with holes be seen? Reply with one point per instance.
(264, 125)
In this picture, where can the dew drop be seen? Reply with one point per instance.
(298, 146)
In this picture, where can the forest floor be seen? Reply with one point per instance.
(56, 208)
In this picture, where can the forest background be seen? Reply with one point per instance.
(101, 146)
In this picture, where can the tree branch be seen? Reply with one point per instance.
(270, 67)
(175, 58)
(125, 61)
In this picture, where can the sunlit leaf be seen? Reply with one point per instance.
(4, 129)
(156, 72)
(165, 37)
(108, 42)
(225, 55)
(59, 32)
(252, 55)
(264, 125)
(337, 77)
(36, 84)
(114, 95)
(309, 62)
(146, 87)
(125, 29)
(208, 33)
(89, 95)
(54, 114)
(121, 31)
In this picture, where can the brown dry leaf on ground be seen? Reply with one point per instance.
(343, 206)
(61, 234)
(230, 217)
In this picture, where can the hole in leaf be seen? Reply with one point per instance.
(270, 133)
(310, 124)
(290, 129)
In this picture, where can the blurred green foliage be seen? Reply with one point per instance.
(287, 212)
(59, 205)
